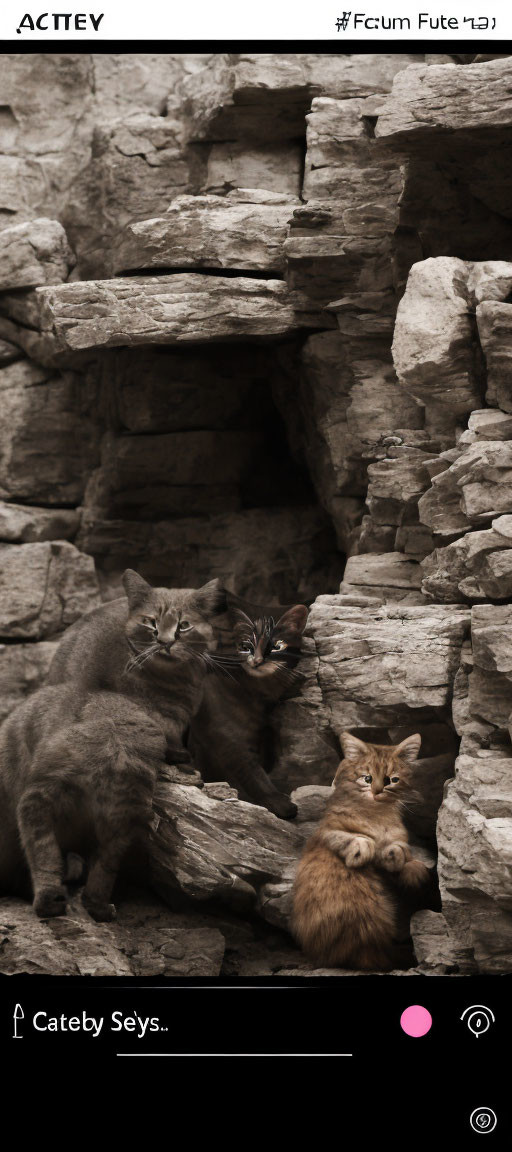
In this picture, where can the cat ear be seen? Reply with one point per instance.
(294, 620)
(136, 587)
(337, 774)
(241, 623)
(352, 748)
(409, 748)
(211, 598)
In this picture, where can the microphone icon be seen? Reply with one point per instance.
(17, 1017)
(479, 1020)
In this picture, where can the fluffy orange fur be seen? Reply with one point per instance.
(344, 914)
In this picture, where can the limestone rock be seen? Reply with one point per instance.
(262, 96)
(384, 670)
(226, 850)
(187, 308)
(33, 254)
(277, 167)
(489, 424)
(471, 492)
(226, 101)
(45, 141)
(8, 353)
(376, 664)
(306, 749)
(483, 472)
(245, 229)
(395, 486)
(342, 166)
(432, 345)
(434, 949)
(440, 506)
(477, 566)
(427, 100)
(127, 81)
(340, 240)
(348, 400)
(44, 588)
(23, 524)
(311, 801)
(137, 165)
(146, 940)
(388, 575)
(490, 675)
(495, 330)
(475, 859)
(47, 435)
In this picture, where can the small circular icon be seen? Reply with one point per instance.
(483, 1120)
(416, 1020)
(477, 1023)
(479, 1018)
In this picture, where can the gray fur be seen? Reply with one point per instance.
(80, 758)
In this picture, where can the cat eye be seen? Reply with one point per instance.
(245, 647)
(395, 779)
(149, 620)
(278, 646)
(185, 625)
(368, 779)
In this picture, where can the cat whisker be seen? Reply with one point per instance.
(290, 672)
(227, 659)
(139, 660)
(213, 666)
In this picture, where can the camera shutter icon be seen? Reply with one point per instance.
(478, 1019)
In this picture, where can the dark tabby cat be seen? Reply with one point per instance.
(79, 760)
(154, 647)
(230, 733)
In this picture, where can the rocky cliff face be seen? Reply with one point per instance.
(255, 323)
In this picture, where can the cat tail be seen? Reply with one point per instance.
(342, 917)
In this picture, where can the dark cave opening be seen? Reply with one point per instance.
(202, 475)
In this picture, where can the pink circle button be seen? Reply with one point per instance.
(416, 1020)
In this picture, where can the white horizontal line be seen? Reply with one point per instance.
(216, 1054)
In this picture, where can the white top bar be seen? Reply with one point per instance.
(222, 20)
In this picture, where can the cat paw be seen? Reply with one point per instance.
(51, 901)
(282, 806)
(99, 909)
(359, 852)
(179, 756)
(393, 858)
(414, 874)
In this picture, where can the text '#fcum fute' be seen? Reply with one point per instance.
(422, 22)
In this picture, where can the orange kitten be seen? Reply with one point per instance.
(343, 910)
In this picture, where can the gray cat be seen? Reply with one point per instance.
(79, 759)
(154, 647)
